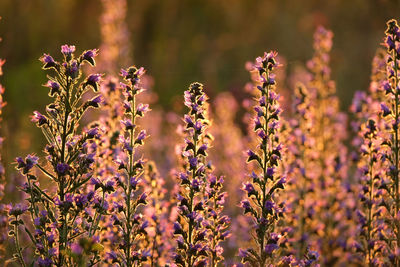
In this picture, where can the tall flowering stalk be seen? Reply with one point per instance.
(302, 178)
(190, 229)
(369, 129)
(128, 218)
(370, 214)
(335, 202)
(261, 204)
(391, 114)
(191, 246)
(58, 217)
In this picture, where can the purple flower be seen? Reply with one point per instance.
(386, 111)
(28, 164)
(243, 253)
(112, 256)
(80, 201)
(48, 61)
(193, 161)
(96, 101)
(71, 70)
(245, 204)
(134, 181)
(146, 254)
(44, 262)
(269, 206)
(252, 156)
(126, 145)
(259, 110)
(92, 132)
(109, 185)
(142, 199)
(270, 172)
(269, 248)
(54, 87)
(67, 50)
(198, 186)
(249, 188)
(93, 80)
(177, 228)
(386, 86)
(128, 124)
(142, 109)
(132, 73)
(39, 119)
(198, 126)
(17, 210)
(281, 183)
(262, 134)
(141, 136)
(89, 56)
(62, 168)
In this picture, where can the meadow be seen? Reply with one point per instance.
(277, 175)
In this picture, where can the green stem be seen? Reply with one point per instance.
(371, 181)
(128, 241)
(264, 168)
(190, 260)
(63, 217)
(17, 246)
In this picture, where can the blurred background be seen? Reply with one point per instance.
(183, 41)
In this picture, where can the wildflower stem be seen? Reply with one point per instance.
(17, 246)
(265, 93)
(63, 219)
(370, 204)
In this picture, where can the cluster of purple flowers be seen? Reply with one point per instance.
(60, 219)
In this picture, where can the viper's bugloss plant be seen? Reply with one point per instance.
(58, 223)
(368, 128)
(260, 203)
(390, 151)
(127, 215)
(191, 234)
(370, 213)
(334, 208)
(94, 196)
(190, 228)
(301, 178)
